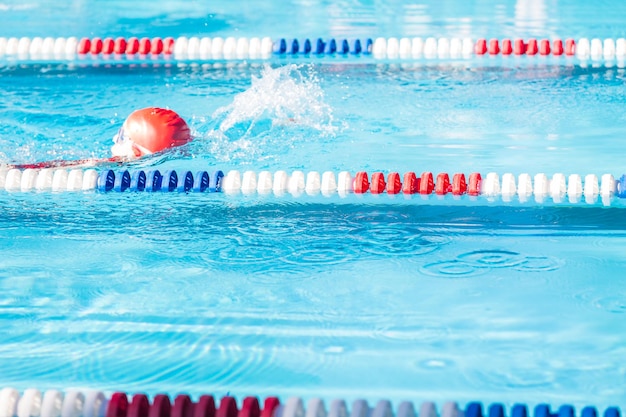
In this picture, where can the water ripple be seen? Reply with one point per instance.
(321, 252)
(539, 264)
(595, 299)
(251, 253)
(611, 304)
(399, 240)
(453, 269)
(479, 262)
(520, 378)
(492, 258)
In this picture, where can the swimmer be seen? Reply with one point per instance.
(149, 131)
(144, 132)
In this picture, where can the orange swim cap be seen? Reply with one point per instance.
(152, 130)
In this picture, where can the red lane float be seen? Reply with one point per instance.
(377, 186)
(494, 47)
(361, 183)
(145, 46)
(84, 45)
(459, 186)
(118, 405)
(541, 47)
(570, 47)
(394, 185)
(473, 187)
(481, 47)
(426, 184)
(250, 408)
(161, 406)
(205, 407)
(507, 47)
(227, 408)
(269, 406)
(168, 46)
(557, 47)
(519, 47)
(531, 47)
(120, 46)
(183, 406)
(96, 46)
(410, 183)
(156, 46)
(108, 46)
(139, 406)
(442, 185)
(132, 47)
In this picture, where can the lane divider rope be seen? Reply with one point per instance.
(507, 187)
(231, 48)
(74, 403)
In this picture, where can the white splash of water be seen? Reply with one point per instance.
(281, 107)
(290, 94)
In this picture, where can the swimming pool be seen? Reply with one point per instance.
(400, 297)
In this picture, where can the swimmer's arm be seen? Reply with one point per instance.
(77, 163)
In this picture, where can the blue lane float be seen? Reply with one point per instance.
(280, 46)
(169, 181)
(589, 412)
(496, 410)
(474, 409)
(621, 186)
(215, 182)
(106, 180)
(320, 46)
(345, 47)
(323, 47)
(519, 410)
(154, 180)
(122, 181)
(138, 181)
(302, 46)
(566, 411)
(200, 182)
(331, 47)
(185, 182)
(542, 410)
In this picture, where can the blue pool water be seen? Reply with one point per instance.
(419, 299)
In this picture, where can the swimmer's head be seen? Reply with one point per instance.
(148, 131)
